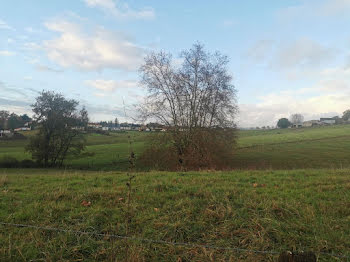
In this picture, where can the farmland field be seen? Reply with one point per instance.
(259, 210)
(298, 201)
(323, 147)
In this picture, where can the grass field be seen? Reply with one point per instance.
(108, 151)
(323, 147)
(261, 210)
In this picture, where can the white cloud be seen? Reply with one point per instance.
(334, 7)
(120, 10)
(334, 80)
(31, 46)
(32, 30)
(6, 53)
(227, 23)
(44, 68)
(110, 85)
(328, 97)
(4, 25)
(303, 52)
(99, 94)
(100, 50)
(261, 50)
(315, 8)
(32, 60)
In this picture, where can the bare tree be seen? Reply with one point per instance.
(193, 96)
(116, 122)
(198, 94)
(296, 119)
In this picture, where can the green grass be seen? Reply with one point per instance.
(250, 138)
(304, 209)
(262, 210)
(108, 151)
(322, 147)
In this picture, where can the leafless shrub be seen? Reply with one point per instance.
(196, 101)
(207, 149)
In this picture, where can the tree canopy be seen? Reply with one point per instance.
(60, 125)
(12, 121)
(346, 115)
(283, 123)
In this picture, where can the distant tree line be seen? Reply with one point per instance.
(12, 121)
(346, 115)
(298, 119)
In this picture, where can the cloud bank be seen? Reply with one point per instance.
(96, 51)
(120, 10)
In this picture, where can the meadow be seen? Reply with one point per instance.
(268, 211)
(289, 190)
(322, 147)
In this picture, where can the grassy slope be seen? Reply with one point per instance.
(250, 138)
(289, 209)
(321, 147)
(109, 152)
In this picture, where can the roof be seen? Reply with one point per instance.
(311, 121)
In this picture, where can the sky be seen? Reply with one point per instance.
(285, 56)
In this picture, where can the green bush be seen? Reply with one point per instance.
(12, 162)
(9, 162)
(27, 163)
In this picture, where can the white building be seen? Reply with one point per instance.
(22, 129)
(94, 125)
(4, 133)
(311, 123)
(328, 121)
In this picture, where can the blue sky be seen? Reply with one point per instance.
(286, 56)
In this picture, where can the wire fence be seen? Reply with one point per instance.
(162, 242)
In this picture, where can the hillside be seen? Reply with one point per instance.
(321, 147)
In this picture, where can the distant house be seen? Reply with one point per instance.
(311, 123)
(159, 129)
(22, 129)
(81, 128)
(28, 124)
(94, 125)
(142, 128)
(297, 125)
(328, 121)
(5, 133)
(105, 128)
